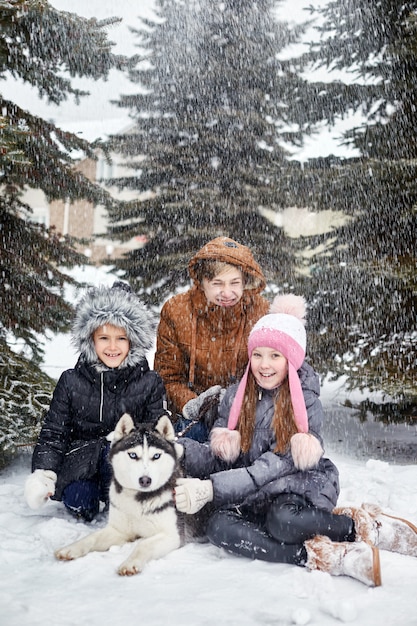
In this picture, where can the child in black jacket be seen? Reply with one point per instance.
(113, 332)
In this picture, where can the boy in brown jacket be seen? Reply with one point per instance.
(202, 334)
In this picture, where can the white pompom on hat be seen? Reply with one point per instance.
(282, 329)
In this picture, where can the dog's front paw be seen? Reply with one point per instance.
(69, 553)
(130, 568)
(63, 554)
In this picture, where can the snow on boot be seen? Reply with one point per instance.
(387, 532)
(365, 527)
(395, 534)
(357, 560)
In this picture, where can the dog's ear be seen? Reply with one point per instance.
(165, 428)
(123, 427)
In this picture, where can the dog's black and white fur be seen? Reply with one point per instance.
(145, 464)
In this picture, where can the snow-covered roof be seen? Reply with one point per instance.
(96, 129)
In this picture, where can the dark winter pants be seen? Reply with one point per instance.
(198, 431)
(82, 497)
(277, 536)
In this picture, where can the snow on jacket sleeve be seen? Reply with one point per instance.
(235, 485)
(232, 484)
(199, 460)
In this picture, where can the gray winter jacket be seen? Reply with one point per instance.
(261, 474)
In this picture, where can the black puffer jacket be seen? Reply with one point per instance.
(85, 407)
(89, 399)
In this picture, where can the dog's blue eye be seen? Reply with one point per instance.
(156, 456)
(133, 455)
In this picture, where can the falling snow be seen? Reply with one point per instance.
(199, 584)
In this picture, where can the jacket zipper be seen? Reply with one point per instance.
(101, 395)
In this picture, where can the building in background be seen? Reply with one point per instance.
(81, 219)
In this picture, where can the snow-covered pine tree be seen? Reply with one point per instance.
(210, 122)
(45, 48)
(363, 276)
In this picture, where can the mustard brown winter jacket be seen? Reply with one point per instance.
(200, 344)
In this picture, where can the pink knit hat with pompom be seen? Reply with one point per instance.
(282, 329)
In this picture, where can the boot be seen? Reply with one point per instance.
(387, 532)
(357, 560)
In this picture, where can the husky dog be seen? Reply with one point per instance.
(145, 462)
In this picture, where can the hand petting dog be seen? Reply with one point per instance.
(191, 494)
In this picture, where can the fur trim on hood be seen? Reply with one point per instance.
(118, 306)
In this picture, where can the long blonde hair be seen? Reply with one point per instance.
(283, 424)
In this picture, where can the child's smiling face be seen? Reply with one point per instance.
(111, 344)
(226, 288)
(269, 367)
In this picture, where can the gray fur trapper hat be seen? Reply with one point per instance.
(118, 306)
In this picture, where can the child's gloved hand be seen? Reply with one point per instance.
(39, 487)
(179, 449)
(191, 494)
(194, 408)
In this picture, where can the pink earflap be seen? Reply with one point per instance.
(238, 400)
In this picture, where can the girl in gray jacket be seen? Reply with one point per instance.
(271, 490)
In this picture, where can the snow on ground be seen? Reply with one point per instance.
(198, 585)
